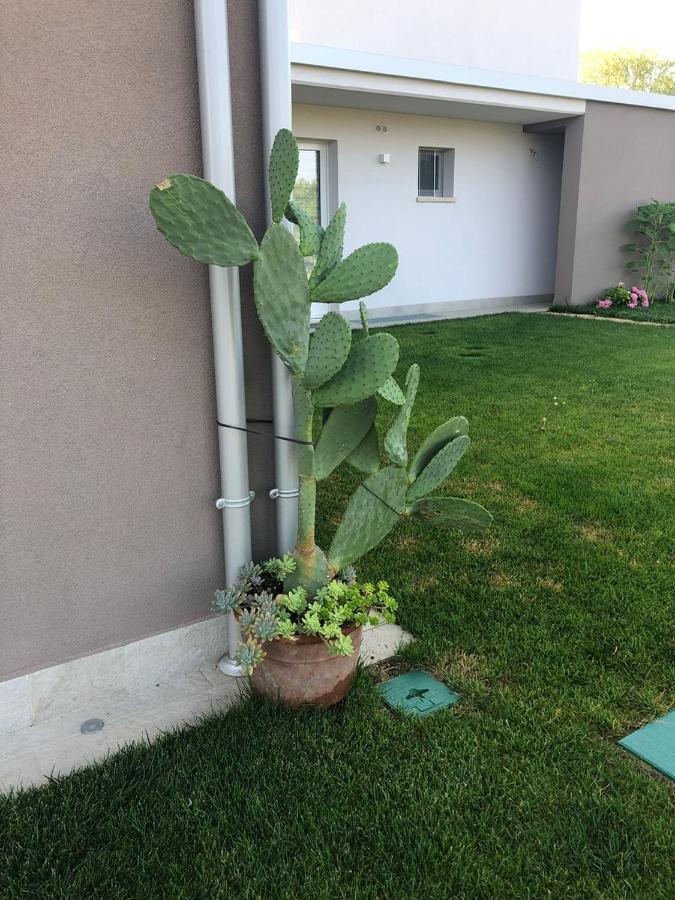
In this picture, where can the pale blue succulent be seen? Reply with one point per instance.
(247, 618)
(265, 603)
(265, 627)
(227, 601)
(348, 575)
(250, 578)
(248, 654)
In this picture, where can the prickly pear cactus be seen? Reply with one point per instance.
(201, 222)
(311, 233)
(343, 431)
(283, 171)
(366, 457)
(438, 438)
(392, 392)
(332, 245)
(368, 366)
(363, 272)
(282, 297)
(328, 349)
(345, 378)
(372, 512)
(439, 468)
(396, 438)
(453, 512)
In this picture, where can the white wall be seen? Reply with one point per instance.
(530, 37)
(497, 240)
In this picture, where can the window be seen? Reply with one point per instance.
(311, 187)
(435, 172)
(316, 192)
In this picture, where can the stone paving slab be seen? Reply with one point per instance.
(55, 746)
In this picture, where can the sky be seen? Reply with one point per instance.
(639, 24)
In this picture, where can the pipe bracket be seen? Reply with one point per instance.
(224, 503)
(279, 494)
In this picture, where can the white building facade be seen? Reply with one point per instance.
(444, 128)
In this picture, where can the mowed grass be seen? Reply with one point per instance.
(663, 313)
(556, 627)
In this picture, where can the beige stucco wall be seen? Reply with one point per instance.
(110, 465)
(616, 158)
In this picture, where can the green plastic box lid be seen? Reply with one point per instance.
(417, 694)
(655, 744)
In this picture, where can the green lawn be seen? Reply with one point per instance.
(556, 627)
(657, 312)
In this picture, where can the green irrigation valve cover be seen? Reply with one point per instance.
(655, 744)
(417, 694)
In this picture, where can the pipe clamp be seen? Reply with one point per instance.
(224, 503)
(279, 494)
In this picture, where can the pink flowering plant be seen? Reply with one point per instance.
(623, 296)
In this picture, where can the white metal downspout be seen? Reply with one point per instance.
(275, 76)
(218, 158)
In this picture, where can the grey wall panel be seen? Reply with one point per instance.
(110, 463)
(622, 157)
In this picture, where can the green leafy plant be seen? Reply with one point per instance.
(349, 379)
(653, 251)
(266, 613)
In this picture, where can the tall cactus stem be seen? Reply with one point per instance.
(303, 408)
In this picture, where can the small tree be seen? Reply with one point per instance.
(653, 251)
(638, 71)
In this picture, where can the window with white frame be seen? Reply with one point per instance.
(314, 191)
(435, 172)
(311, 186)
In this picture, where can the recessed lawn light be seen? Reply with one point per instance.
(91, 726)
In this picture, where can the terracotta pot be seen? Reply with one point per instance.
(304, 672)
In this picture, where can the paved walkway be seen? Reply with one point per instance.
(56, 746)
(609, 319)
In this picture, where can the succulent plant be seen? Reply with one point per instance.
(346, 377)
(248, 655)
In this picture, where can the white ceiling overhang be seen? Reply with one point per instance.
(330, 76)
(324, 76)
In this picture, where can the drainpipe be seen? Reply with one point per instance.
(275, 76)
(218, 158)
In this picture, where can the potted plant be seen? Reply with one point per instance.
(302, 615)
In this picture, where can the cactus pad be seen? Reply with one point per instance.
(331, 249)
(310, 231)
(200, 221)
(438, 438)
(283, 171)
(373, 510)
(363, 313)
(396, 438)
(281, 297)
(439, 468)
(342, 433)
(392, 392)
(366, 457)
(452, 512)
(311, 571)
(369, 364)
(328, 349)
(363, 272)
